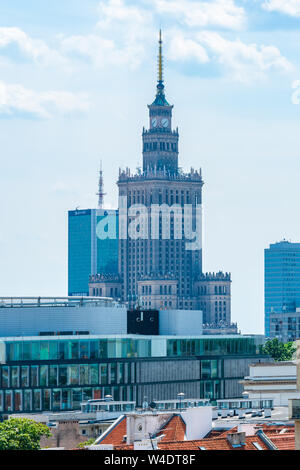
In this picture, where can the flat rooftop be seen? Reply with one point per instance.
(39, 302)
(130, 337)
(280, 415)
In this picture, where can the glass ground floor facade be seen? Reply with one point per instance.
(69, 399)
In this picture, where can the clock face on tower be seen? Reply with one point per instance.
(165, 122)
(154, 122)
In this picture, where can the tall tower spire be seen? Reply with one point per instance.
(101, 193)
(160, 142)
(160, 84)
(160, 99)
(160, 60)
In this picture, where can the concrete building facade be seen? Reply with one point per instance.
(277, 380)
(214, 298)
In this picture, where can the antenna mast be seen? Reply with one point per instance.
(101, 192)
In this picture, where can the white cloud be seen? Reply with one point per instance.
(116, 11)
(17, 100)
(245, 62)
(120, 38)
(242, 62)
(33, 49)
(218, 13)
(289, 7)
(124, 32)
(101, 51)
(182, 48)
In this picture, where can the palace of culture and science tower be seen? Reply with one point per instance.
(159, 272)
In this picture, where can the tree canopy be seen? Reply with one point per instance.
(278, 350)
(22, 434)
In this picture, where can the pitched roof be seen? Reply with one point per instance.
(284, 441)
(218, 443)
(173, 437)
(115, 433)
(173, 430)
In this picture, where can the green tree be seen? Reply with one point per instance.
(89, 442)
(279, 351)
(22, 434)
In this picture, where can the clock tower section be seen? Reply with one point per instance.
(160, 142)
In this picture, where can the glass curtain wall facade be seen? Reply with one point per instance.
(87, 253)
(282, 281)
(54, 349)
(59, 374)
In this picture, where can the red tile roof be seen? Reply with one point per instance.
(284, 441)
(173, 432)
(218, 443)
(116, 435)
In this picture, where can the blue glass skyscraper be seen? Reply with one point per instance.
(87, 253)
(282, 280)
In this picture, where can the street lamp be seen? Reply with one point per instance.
(180, 396)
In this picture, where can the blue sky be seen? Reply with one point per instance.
(74, 84)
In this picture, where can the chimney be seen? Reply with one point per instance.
(236, 439)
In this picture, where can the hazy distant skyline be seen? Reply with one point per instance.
(76, 78)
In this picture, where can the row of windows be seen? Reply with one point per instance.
(73, 375)
(219, 290)
(77, 349)
(80, 349)
(60, 399)
(163, 146)
(167, 303)
(146, 290)
(211, 346)
(65, 375)
(112, 292)
(165, 290)
(67, 399)
(170, 197)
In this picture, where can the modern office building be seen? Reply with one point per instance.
(40, 316)
(65, 316)
(57, 353)
(282, 290)
(88, 254)
(58, 373)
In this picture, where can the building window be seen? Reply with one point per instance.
(63, 376)
(15, 377)
(37, 395)
(34, 376)
(43, 376)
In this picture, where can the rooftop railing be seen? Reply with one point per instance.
(15, 302)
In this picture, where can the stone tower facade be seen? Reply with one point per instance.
(163, 260)
(213, 291)
(158, 268)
